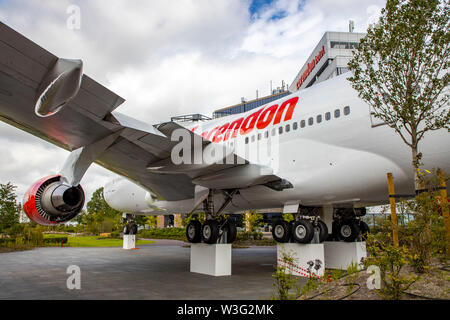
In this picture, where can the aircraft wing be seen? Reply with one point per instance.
(141, 152)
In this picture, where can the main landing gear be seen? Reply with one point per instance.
(348, 226)
(216, 228)
(307, 227)
(301, 230)
(131, 227)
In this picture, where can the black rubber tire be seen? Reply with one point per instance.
(302, 231)
(323, 231)
(348, 230)
(364, 227)
(126, 229)
(210, 231)
(231, 229)
(281, 231)
(194, 231)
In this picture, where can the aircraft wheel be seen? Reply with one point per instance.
(230, 227)
(364, 230)
(323, 231)
(348, 230)
(302, 231)
(281, 231)
(126, 229)
(194, 231)
(210, 231)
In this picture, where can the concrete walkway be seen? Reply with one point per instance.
(155, 271)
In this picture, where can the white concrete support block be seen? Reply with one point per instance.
(129, 241)
(211, 259)
(307, 258)
(339, 255)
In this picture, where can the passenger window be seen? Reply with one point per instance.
(246, 140)
(337, 113)
(266, 134)
(295, 126)
(273, 131)
(347, 110)
(259, 136)
(288, 127)
(280, 130)
(327, 116)
(253, 138)
(310, 121)
(302, 123)
(319, 118)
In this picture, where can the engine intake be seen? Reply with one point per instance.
(49, 202)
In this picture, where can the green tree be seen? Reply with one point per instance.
(401, 70)
(253, 220)
(9, 208)
(100, 217)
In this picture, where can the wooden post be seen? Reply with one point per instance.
(391, 189)
(445, 207)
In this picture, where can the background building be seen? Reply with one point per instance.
(245, 106)
(329, 59)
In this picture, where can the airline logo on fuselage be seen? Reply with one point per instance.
(260, 119)
(310, 67)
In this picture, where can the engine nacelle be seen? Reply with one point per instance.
(49, 202)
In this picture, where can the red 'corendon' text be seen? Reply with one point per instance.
(260, 119)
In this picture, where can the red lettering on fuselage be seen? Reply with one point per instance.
(249, 122)
(261, 118)
(233, 129)
(266, 117)
(218, 136)
(290, 111)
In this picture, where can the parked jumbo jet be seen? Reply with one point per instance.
(316, 153)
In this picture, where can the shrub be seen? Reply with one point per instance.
(56, 240)
(391, 260)
(165, 233)
(284, 282)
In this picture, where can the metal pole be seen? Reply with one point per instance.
(445, 207)
(390, 179)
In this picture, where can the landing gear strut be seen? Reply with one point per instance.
(131, 227)
(216, 227)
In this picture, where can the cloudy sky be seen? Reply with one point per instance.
(169, 58)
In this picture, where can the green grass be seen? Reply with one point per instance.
(100, 242)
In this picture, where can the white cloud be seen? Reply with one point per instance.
(169, 58)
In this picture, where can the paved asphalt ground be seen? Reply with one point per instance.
(156, 271)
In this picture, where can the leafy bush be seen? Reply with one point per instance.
(55, 240)
(116, 234)
(284, 282)
(247, 235)
(391, 260)
(165, 233)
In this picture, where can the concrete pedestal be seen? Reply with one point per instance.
(211, 259)
(339, 255)
(307, 259)
(129, 241)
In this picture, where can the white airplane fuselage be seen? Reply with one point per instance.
(341, 160)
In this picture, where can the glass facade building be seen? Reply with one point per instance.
(248, 105)
(329, 59)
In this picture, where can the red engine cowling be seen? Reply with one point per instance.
(49, 202)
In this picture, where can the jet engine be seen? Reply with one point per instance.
(50, 202)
